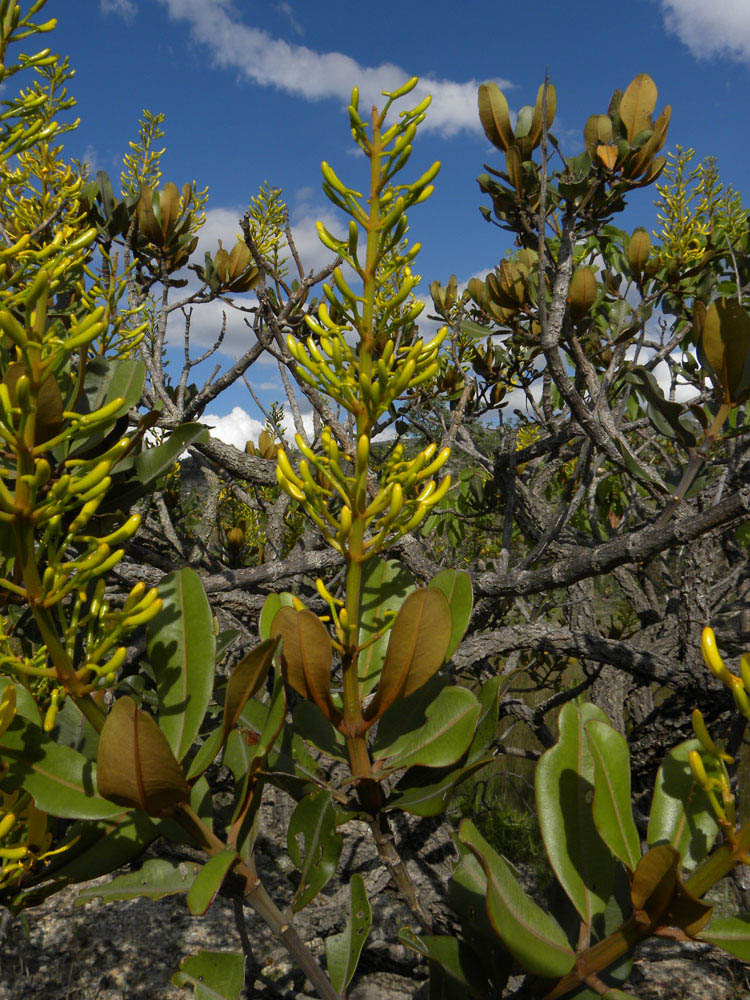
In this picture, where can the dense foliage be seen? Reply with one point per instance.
(419, 587)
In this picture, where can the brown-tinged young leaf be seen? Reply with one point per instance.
(658, 892)
(417, 646)
(306, 656)
(725, 342)
(49, 402)
(246, 680)
(637, 104)
(169, 202)
(494, 115)
(136, 767)
(597, 131)
(515, 172)
(607, 155)
(535, 132)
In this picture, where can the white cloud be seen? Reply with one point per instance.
(296, 69)
(721, 27)
(125, 8)
(238, 427)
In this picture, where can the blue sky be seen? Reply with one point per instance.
(256, 92)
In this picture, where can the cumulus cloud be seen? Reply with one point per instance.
(314, 76)
(710, 29)
(238, 427)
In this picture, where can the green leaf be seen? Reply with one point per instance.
(214, 975)
(445, 736)
(732, 934)
(208, 881)
(385, 584)
(533, 937)
(484, 734)
(564, 796)
(182, 649)
(455, 585)
(613, 814)
(453, 955)
(313, 824)
(681, 814)
(312, 725)
(206, 755)
(154, 462)
(419, 793)
(618, 995)
(62, 781)
(156, 879)
(343, 950)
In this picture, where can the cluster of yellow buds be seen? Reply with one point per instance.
(331, 498)
(369, 378)
(711, 758)
(24, 837)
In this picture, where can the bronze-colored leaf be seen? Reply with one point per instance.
(725, 343)
(658, 894)
(639, 250)
(239, 260)
(306, 656)
(598, 131)
(535, 132)
(582, 292)
(49, 408)
(607, 155)
(419, 640)
(147, 223)
(494, 115)
(515, 170)
(246, 680)
(637, 104)
(136, 767)
(169, 202)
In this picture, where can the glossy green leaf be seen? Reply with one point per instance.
(486, 727)
(313, 844)
(445, 736)
(533, 937)
(613, 813)
(313, 726)
(343, 950)
(182, 650)
(206, 755)
(420, 793)
(208, 881)
(385, 584)
(154, 462)
(62, 781)
(214, 975)
(453, 955)
(732, 934)
(155, 880)
(681, 814)
(618, 995)
(564, 798)
(455, 585)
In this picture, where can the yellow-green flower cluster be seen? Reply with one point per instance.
(361, 352)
